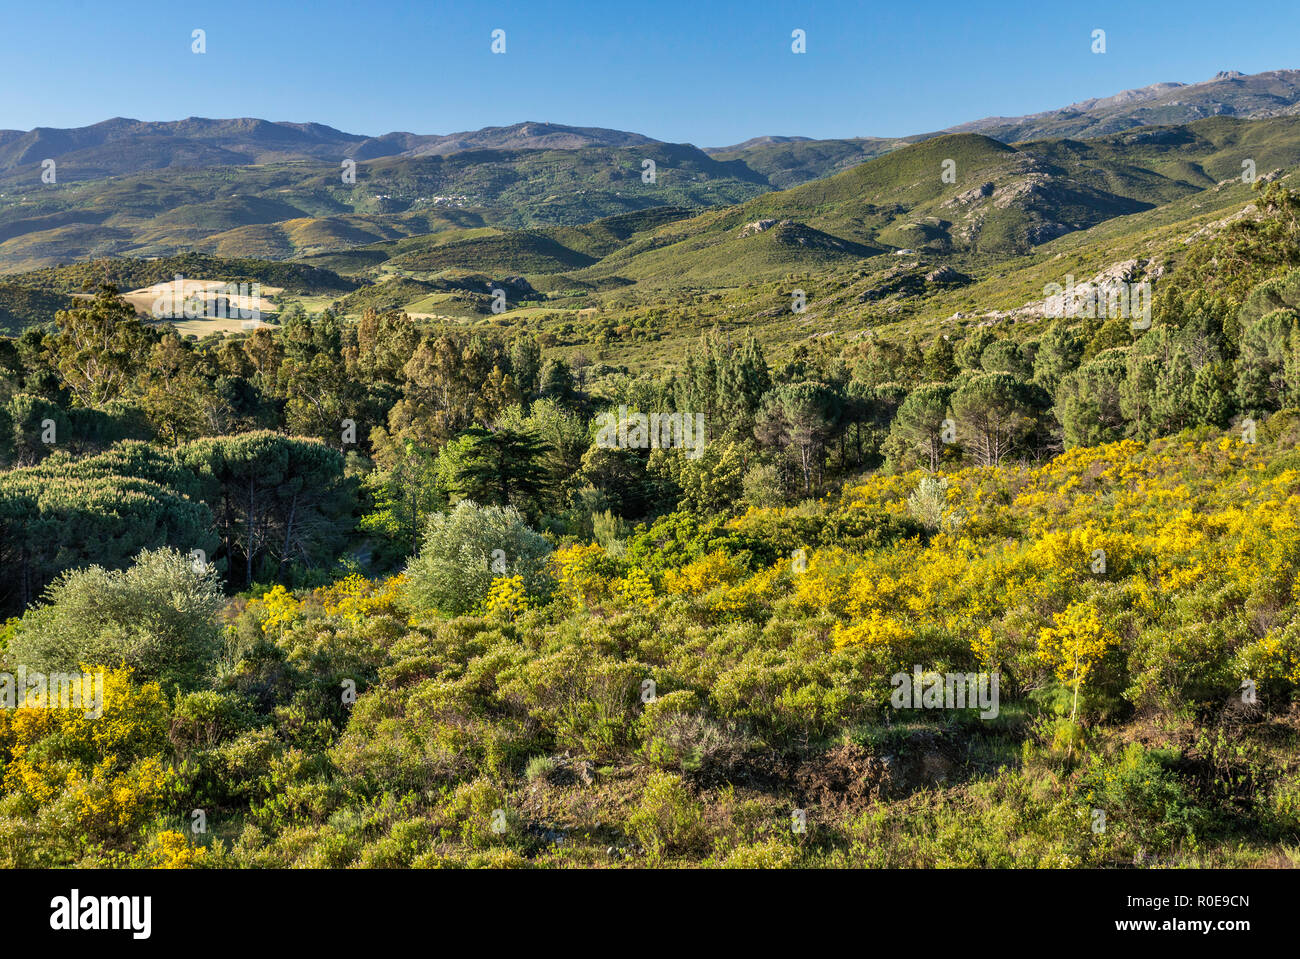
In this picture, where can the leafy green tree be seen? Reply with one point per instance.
(385, 342)
(401, 498)
(911, 370)
(620, 476)
(494, 467)
(1212, 394)
(763, 487)
(1005, 356)
(940, 362)
(1108, 333)
(177, 396)
(100, 510)
(877, 362)
(713, 482)
(800, 418)
(236, 405)
(971, 350)
(526, 364)
(277, 500)
(25, 419)
(1059, 353)
(450, 383)
(1145, 361)
(100, 349)
(1202, 322)
(563, 436)
(1172, 405)
(1088, 400)
(95, 430)
(319, 397)
(994, 414)
(724, 380)
(557, 381)
(920, 431)
(1261, 367)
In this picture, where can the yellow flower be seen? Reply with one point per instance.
(506, 598)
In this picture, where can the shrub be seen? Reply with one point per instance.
(668, 819)
(676, 734)
(929, 503)
(157, 617)
(464, 550)
(762, 486)
(1143, 802)
(539, 768)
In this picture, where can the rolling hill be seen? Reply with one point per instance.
(252, 187)
(298, 208)
(951, 222)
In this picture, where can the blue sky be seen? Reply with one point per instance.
(699, 72)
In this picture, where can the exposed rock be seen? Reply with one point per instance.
(1030, 185)
(946, 275)
(1042, 232)
(758, 226)
(1076, 295)
(972, 195)
(1248, 211)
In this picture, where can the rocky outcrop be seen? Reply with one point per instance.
(758, 226)
(946, 276)
(973, 195)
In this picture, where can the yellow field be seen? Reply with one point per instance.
(217, 310)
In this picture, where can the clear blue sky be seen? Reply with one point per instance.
(700, 72)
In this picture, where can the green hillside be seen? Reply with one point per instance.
(22, 306)
(130, 274)
(158, 213)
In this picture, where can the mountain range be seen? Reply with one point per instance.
(120, 146)
(597, 210)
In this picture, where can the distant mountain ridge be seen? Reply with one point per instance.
(121, 146)
(788, 160)
(1227, 93)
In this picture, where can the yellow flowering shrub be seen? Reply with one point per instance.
(874, 631)
(1274, 657)
(1075, 645)
(277, 608)
(746, 595)
(636, 588)
(506, 598)
(583, 573)
(704, 574)
(170, 849)
(355, 598)
(111, 805)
